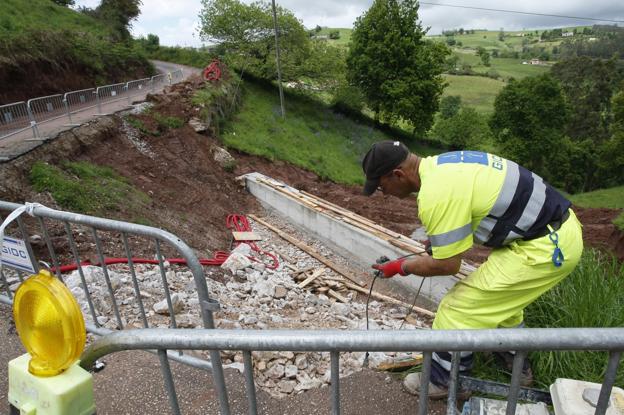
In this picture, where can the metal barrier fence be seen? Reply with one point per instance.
(77, 231)
(14, 118)
(19, 116)
(81, 100)
(336, 341)
(136, 87)
(50, 225)
(109, 93)
(158, 80)
(176, 76)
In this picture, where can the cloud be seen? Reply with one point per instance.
(175, 21)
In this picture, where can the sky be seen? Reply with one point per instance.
(175, 21)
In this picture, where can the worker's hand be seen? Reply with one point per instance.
(391, 268)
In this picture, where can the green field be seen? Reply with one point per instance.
(477, 92)
(512, 40)
(345, 35)
(311, 136)
(504, 67)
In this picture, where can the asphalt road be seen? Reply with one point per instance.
(18, 144)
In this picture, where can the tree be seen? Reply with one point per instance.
(589, 85)
(151, 43)
(466, 129)
(318, 28)
(501, 34)
(119, 14)
(528, 121)
(397, 70)
(65, 3)
(449, 106)
(246, 32)
(484, 55)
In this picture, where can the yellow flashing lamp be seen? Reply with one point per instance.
(49, 323)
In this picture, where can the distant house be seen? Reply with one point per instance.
(567, 34)
(535, 61)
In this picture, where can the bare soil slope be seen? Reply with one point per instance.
(191, 194)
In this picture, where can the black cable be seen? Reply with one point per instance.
(413, 303)
(519, 12)
(370, 292)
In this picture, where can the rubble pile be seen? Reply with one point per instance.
(300, 294)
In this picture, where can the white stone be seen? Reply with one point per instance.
(286, 386)
(163, 308)
(275, 371)
(301, 361)
(236, 262)
(290, 371)
(340, 309)
(264, 289)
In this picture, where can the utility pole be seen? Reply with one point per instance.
(277, 59)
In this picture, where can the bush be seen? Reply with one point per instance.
(450, 106)
(467, 129)
(348, 99)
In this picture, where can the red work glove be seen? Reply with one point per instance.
(391, 268)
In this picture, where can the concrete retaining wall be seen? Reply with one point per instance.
(348, 240)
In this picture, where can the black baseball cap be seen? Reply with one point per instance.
(381, 159)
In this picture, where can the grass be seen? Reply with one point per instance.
(139, 125)
(311, 136)
(345, 36)
(475, 91)
(612, 198)
(592, 296)
(40, 35)
(18, 15)
(86, 188)
(505, 67)
(166, 123)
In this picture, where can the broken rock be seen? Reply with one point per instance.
(163, 308)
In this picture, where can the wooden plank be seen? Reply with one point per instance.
(292, 267)
(317, 273)
(385, 298)
(322, 290)
(311, 251)
(401, 364)
(301, 271)
(246, 236)
(337, 296)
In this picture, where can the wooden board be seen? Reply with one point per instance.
(246, 236)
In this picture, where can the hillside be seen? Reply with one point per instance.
(49, 49)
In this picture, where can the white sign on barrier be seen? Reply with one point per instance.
(15, 255)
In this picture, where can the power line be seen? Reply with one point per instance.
(519, 12)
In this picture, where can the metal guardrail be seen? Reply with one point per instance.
(158, 80)
(69, 226)
(14, 118)
(81, 100)
(20, 116)
(337, 341)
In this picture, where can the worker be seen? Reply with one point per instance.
(467, 197)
